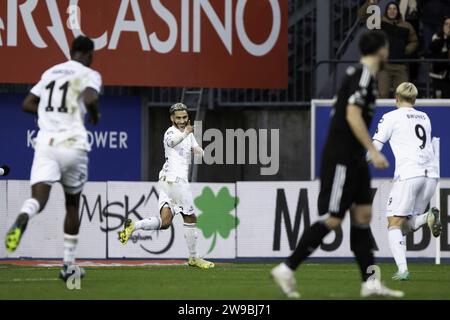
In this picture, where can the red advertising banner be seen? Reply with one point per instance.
(182, 43)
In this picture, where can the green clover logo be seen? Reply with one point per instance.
(215, 217)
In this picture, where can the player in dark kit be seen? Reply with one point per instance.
(345, 176)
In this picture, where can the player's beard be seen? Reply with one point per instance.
(179, 126)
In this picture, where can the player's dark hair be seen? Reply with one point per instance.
(82, 44)
(372, 41)
(399, 14)
(177, 107)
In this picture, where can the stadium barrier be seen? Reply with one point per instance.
(235, 220)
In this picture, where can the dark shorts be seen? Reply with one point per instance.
(342, 185)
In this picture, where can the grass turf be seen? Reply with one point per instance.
(226, 281)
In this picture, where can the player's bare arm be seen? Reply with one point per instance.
(30, 103)
(359, 129)
(90, 97)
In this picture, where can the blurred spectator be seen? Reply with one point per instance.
(410, 13)
(431, 14)
(440, 49)
(362, 12)
(403, 42)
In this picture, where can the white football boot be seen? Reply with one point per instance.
(285, 279)
(374, 288)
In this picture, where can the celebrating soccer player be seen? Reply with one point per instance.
(60, 99)
(345, 176)
(416, 173)
(174, 194)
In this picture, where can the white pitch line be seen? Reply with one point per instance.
(96, 264)
(347, 270)
(33, 280)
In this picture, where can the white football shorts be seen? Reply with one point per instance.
(177, 196)
(60, 164)
(410, 196)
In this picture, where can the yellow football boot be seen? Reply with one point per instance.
(125, 234)
(200, 263)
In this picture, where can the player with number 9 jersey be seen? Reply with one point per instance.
(416, 173)
(409, 134)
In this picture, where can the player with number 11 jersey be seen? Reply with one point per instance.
(61, 99)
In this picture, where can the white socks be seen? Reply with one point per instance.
(191, 235)
(152, 223)
(397, 240)
(30, 207)
(397, 244)
(70, 245)
(414, 223)
(190, 232)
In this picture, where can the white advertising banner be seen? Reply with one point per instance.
(44, 235)
(215, 209)
(273, 216)
(246, 219)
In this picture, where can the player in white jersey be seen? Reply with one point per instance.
(62, 97)
(174, 194)
(416, 173)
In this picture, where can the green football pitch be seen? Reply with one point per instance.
(226, 281)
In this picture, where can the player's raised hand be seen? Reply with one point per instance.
(379, 160)
(189, 128)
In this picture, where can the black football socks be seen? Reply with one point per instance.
(308, 243)
(362, 245)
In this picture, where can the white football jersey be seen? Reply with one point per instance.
(61, 108)
(178, 158)
(409, 134)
